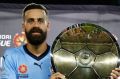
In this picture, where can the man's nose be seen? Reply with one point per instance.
(36, 24)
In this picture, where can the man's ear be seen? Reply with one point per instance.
(48, 26)
(23, 28)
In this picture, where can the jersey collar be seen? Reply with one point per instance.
(37, 57)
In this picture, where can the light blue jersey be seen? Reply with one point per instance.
(21, 64)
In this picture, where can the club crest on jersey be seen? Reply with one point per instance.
(22, 68)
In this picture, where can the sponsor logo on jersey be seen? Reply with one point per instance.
(19, 39)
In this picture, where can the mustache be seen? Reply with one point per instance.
(36, 29)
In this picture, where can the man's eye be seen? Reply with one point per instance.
(30, 20)
(40, 20)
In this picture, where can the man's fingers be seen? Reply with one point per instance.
(116, 72)
(57, 75)
(113, 76)
(117, 69)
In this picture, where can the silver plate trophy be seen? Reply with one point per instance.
(85, 51)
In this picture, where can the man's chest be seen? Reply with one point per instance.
(27, 69)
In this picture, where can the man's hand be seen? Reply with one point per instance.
(115, 73)
(57, 75)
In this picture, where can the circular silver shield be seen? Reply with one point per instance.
(85, 51)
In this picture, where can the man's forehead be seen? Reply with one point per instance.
(35, 12)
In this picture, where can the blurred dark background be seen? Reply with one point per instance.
(80, 2)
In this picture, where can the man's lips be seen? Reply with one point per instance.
(36, 33)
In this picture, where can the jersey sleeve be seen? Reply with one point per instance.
(9, 71)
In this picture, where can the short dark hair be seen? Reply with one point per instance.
(34, 6)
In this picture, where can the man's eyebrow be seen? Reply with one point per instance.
(30, 18)
(40, 18)
(36, 18)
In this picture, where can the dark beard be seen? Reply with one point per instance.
(36, 39)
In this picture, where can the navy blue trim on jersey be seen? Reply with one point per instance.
(35, 57)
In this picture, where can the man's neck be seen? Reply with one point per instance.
(37, 50)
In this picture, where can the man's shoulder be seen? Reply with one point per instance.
(13, 50)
